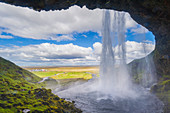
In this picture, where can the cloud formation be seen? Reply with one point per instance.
(68, 54)
(27, 23)
(47, 52)
(6, 36)
(62, 38)
(139, 30)
(59, 26)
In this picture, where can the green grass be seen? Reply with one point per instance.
(19, 90)
(64, 75)
(46, 74)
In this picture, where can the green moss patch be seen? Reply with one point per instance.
(162, 90)
(36, 100)
(20, 91)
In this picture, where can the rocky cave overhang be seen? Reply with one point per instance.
(153, 14)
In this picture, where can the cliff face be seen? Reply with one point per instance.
(153, 14)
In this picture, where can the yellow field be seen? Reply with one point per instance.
(90, 69)
(65, 72)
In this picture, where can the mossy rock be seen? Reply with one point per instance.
(162, 90)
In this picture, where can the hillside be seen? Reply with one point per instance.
(19, 92)
(15, 72)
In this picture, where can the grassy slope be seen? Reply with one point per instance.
(19, 91)
(15, 72)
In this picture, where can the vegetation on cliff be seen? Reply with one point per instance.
(20, 91)
(162, 90)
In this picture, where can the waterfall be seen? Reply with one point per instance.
(114, 77)
(147, 67)
(113, 91)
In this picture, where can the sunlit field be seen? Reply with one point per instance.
(65, 72)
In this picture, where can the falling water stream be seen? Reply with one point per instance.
(114, 74)
(148, 68)
(113, 91)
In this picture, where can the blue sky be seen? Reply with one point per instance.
(66, 37)
(85, 39)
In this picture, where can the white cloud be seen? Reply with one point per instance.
(134, 50)
(63, 38)
(85, 36)
(130, 23)
(27, 23)
(46, 52)
(68, 54)
(139, 30)
(97, 48)
(6, 36)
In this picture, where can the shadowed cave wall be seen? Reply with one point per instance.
(153, 14)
